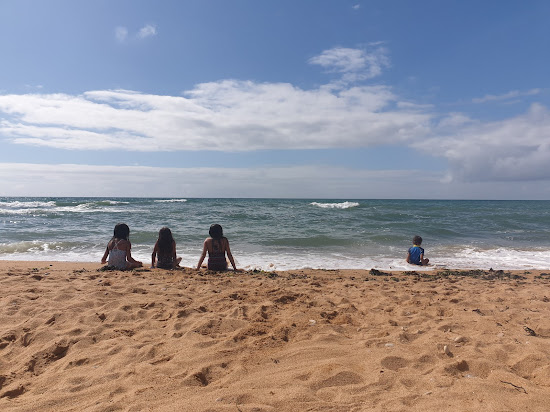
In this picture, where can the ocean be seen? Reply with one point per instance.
(282, 234)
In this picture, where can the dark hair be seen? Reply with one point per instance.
(122, 231)
(165, 241)
(417, 240)
(216, 231)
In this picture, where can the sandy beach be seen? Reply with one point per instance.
(75, 338)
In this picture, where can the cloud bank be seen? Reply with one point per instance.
(235, 115)
(18, 179)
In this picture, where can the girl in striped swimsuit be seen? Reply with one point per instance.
(118, 250)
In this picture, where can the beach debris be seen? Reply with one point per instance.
(460, 339)
(376, 272)
(270, 275)
(530, 331)
(312, 322)
(412, 273)
(297, 276)
(389, 345)
(516, 387)
(447, 350)
(479, 312)
(107, 269)
(480, 274)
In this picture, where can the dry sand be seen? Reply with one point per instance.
(74, 338)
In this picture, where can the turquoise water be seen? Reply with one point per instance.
(286, 233)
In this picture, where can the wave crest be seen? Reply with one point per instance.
(170, 200)
(342, 205)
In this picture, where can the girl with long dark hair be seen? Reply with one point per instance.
(217, 247)
(165, 251)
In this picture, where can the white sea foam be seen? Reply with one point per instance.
(505, 259)
(343, 205)
(170, 200)
(115, 202)
(26, 205)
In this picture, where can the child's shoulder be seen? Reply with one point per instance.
(121, 242)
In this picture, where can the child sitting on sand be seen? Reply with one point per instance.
(415, 255)
(165, 250)
(118, 250)
(217, 246)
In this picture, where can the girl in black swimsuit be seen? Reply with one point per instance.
(217, 246)
(165, 251)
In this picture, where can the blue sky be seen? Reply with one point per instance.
(317, 99)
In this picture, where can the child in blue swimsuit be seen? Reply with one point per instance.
(415, 255)
(118, 250)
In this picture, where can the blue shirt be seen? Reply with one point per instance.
(414, 254)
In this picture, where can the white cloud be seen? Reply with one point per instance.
(354, 64)
(147, 31)
(226, 115)
(514, 149)
(121, 34)
(506, 96)
(356, 7)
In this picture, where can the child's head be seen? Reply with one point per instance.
(165, 234)
(165, 241)
(216, 231)
(122, 231)
(417, 240)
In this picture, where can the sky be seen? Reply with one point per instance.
(330, 99)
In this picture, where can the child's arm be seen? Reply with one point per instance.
(204, 249)
(105, 255)
(229, 255)
(129, 257)
(409, 257)
(154, 255)
(423, 260)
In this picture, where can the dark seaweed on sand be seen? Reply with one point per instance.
(480, 274)
(376, 272)
(474, 273)
(271, 275)
(114, 269)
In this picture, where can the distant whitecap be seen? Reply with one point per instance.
(170, 200)
(343, 205)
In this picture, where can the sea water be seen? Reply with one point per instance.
(279, 234)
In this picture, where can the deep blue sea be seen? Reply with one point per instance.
(278, 234)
